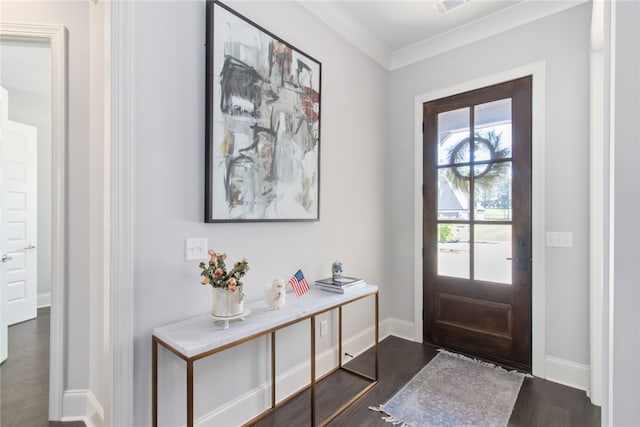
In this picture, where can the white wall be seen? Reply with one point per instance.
(169, 193)
(562, 41)
(25, 71)
(623, 380)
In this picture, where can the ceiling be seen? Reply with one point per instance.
(401, 32)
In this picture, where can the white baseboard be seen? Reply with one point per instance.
(295, 379)
(44, 300)
(397, 327)
(74, 405)
(288, 383)
(82, 405)
(360, 342)
(95, 412)
(568, 373)
(252, 403)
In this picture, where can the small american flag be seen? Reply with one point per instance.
(299, 284)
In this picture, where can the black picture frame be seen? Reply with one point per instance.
(262, 125)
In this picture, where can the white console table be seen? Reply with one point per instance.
(201, 336)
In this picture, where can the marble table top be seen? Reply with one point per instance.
(198, 335)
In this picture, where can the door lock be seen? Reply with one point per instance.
(5, 258)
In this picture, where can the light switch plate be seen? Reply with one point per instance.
(195, 249)
(558, 239)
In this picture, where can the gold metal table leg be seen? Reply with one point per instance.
(377, 336)
(313, 371)
(190, 393)
(154, 379)
(340, 356)
(273, 370)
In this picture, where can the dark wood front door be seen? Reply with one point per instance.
(477, 222)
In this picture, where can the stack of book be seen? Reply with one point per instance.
(341, 286)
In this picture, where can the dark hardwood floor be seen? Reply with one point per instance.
(25, 378)
(24, 397)
(540, 402)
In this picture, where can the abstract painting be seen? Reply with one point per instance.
(262, 124)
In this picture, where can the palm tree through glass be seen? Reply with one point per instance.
(474, 192)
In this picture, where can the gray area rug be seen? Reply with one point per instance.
(454, 390)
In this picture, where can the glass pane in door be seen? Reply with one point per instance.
(453, 193)
(453, 135)
(453, 250)
(492, 193)
(493, 130)
(492, 253)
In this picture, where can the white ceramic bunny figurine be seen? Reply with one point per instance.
(275, 294)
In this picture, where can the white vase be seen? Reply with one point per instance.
(226, 303)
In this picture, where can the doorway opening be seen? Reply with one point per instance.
(538, 303)
(34, 65)
(477, 222)
(25, 224)
(25, 152)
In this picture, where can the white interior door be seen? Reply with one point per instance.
(18, 161)
(4, 104)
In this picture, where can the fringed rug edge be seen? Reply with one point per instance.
(484, 363)
(391, 420)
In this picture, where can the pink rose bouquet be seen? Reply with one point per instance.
(215, 273)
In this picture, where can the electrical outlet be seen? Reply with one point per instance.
(323, 328)
(195, 249)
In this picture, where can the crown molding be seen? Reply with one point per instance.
(351, 29)
(506, 19)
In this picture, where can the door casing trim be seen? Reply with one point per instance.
(55, 36)
(538, 294)
(120, 293)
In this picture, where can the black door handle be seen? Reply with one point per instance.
(523, 260)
